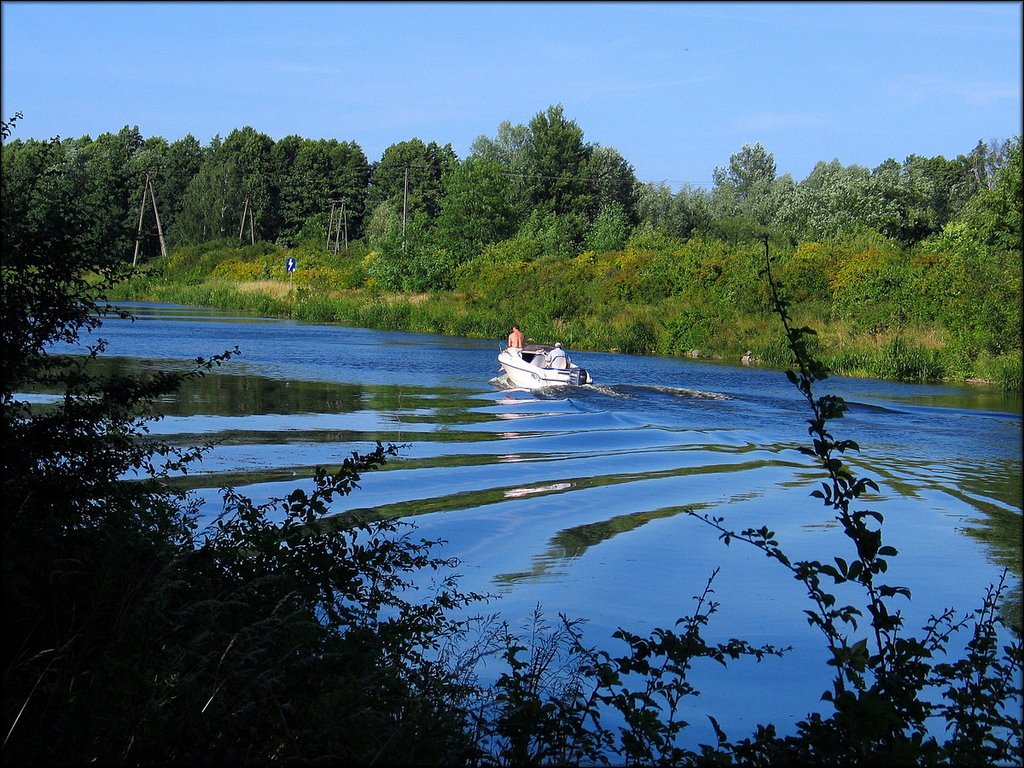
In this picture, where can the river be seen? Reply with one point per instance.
(574, 500)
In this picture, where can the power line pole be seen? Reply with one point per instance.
(335, 225)
(147, 187)
(247, 209)
(405, 205)
(330, 226)
(344, 214)
(337, 230)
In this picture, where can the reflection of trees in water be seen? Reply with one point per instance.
(1000, 526)
(235, 393)
(572, 543)
(993, 491)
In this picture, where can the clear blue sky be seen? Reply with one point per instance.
(676, 88)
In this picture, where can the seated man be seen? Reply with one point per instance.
(557, 357)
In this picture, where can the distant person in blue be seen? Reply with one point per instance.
(557, 357)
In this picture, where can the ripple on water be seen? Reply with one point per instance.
(578, 498)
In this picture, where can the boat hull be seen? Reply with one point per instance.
(521, 371)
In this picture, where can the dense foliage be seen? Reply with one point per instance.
(279, 634)
(540, 179)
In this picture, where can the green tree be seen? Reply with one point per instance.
(213, 202)
(976, 282)
(609, 230)
(904, 197)
(112, 188)
(557, 167)
(749, 169)
(182, 162)
(316, 176)
(654, 204)
(946, 186)
(744, 189)
(612, 182)
(350, 179)
(249, 152)
(303, 173)
(408, 176)
(385, 237)
(475, 210)
(987, 159)
(834, 200)
(995, 214)
(559, 237)
(510, 150)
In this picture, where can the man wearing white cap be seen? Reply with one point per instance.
(557, 357)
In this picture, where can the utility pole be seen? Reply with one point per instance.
(247, 209)
(147, 187)
(405, 199)
(330, 227)
(405, 205)
(344, 214)
(337, 229)
(334, 227)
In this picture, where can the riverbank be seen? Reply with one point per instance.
(911, 354)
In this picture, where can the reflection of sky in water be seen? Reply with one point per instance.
(580, 507)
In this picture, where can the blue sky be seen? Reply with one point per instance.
(676, 88)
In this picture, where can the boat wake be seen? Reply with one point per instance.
(633, 390)
(624, 391)
(688, 393)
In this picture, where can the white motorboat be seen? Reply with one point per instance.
(530, 368)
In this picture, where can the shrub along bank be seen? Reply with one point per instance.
(949, 309)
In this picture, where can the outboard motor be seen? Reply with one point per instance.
(579, 376)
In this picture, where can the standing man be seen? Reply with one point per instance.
(516, 338)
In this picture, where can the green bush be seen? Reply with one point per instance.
(321, 279)
(634, 333)
(687, 330)
(241, 271)
(1004, 370)
(899, 360)
(316, 309)
(385, 315)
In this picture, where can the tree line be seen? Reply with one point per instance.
(421, 204)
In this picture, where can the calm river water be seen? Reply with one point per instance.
(572, 499)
